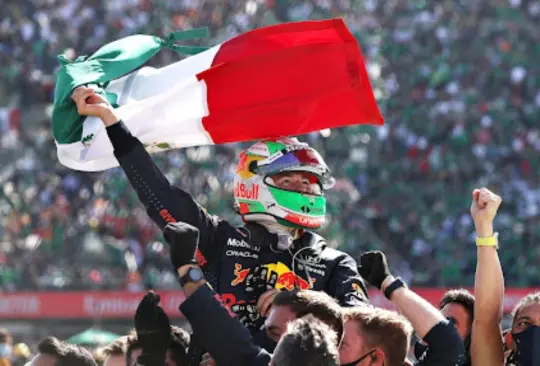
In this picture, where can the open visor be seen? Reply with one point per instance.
(303, 160)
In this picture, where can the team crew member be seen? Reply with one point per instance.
(444, 345)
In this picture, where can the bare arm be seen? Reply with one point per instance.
(422, 315)
(445, 345)
(486, 339)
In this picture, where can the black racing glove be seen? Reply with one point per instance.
(153, 330)
(256, 281)
(183, 241)
(374, 268)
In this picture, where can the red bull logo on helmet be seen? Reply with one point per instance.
(247, 191)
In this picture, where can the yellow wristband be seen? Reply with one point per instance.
(488, 241)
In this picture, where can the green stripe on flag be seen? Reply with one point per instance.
(110, 62)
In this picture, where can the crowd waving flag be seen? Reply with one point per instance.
(281, 80)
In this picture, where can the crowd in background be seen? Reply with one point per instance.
(457, 81)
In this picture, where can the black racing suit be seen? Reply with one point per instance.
(240, 263)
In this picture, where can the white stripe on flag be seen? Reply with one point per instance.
(162, 106)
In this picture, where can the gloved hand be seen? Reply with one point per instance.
(183, 241)
(152, 327)
(256, 281)
(374, 268)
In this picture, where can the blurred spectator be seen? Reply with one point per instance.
(457, 82)
(21, 354)
(6, 342)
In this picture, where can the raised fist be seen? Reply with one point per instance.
(374, 268)
(90, 103)
(484, 209)
(183, 240)
(152, 325)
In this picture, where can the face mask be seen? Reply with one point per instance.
(5, 350)
(528, 346)
(354, 363)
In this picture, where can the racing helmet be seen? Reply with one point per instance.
(258, 199)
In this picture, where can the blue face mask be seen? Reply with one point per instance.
(528, 346)
(5, 350)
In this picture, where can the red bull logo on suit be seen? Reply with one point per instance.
(278, 273)
(286, 278)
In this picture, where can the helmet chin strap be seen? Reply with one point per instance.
(286, 235)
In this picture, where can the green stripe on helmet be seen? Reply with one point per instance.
(299, 203)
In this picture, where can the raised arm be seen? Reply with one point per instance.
(486, 339)
(164, 203)
(445, 347)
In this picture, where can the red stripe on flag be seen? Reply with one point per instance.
(288, 79)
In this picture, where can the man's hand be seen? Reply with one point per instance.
(374, 268)
(89, 103)
(183, 241)
(483, 210)
(265, 302)
(207, 360)
(152, 326)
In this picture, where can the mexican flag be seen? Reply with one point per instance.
(282, 80)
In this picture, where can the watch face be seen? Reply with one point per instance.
(195, 274)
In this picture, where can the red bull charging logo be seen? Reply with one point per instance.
(278, 274)
(285, 278)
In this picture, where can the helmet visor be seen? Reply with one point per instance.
(305, 159)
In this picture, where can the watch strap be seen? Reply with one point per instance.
(396, 284)
(187, 278)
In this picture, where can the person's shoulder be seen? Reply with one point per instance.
(336, 254)
(240, 235)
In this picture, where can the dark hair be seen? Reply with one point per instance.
(308, 341)
(119, 347)
(461, 297)
(66, 354)
(179, 345)
(316, 303)
(133, 344)
(385, 329)
(532, 298)
(5, 336)
(116, 348)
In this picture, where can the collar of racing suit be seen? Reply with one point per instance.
(285, 236)
(306, 248)
(261, 235)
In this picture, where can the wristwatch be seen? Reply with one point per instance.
(194, 274)
(398, 283)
